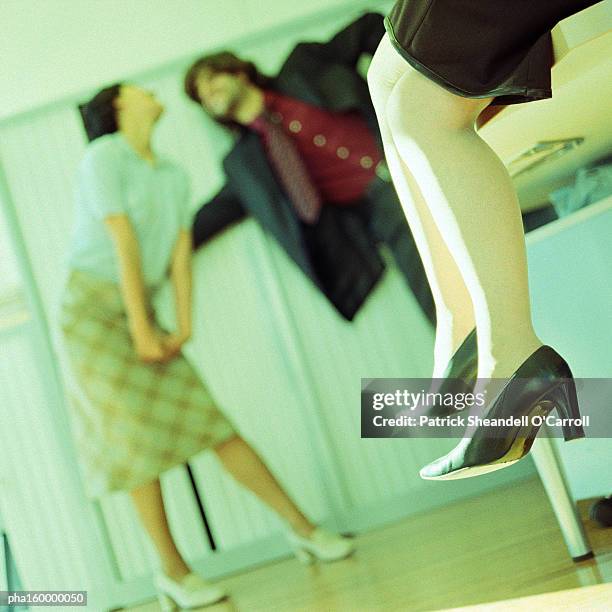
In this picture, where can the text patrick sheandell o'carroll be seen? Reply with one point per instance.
(391, 411)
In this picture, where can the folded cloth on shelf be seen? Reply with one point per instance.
(591, 184)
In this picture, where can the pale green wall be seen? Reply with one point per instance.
(59, 48)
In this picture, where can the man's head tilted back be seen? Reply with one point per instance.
(218, 83)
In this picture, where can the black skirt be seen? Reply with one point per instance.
(482, 48)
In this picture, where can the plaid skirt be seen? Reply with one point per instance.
(131, 421)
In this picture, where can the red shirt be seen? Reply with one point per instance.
(338, 149)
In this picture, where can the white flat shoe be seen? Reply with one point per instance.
(321, 545)
(191, 591)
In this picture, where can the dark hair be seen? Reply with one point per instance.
(224, 61)
(99, 115)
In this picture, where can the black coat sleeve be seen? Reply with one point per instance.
(361, 36)
(214, 216)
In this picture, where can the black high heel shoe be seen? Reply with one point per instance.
(459, 377)
(542, 383)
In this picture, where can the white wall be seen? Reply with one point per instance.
(52, 49)
(8, 264)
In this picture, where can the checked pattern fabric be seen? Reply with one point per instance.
(130, 420)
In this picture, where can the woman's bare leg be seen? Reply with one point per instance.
(474, 204)
(245, 465)
(454, 311)
(149, 504)
(241, 461)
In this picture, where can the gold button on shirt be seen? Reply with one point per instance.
(342, 152)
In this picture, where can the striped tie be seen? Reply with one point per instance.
(290, 168)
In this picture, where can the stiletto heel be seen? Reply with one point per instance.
(565, 400)
(544, 381)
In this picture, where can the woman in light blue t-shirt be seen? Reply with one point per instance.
(138, 407)
(154, 193)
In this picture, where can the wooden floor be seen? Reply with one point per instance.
(595, 597)
(500, 546)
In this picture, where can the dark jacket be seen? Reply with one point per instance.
(339, 254)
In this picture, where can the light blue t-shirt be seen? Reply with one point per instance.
(112, 178)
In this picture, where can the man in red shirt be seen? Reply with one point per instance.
(308, 164)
